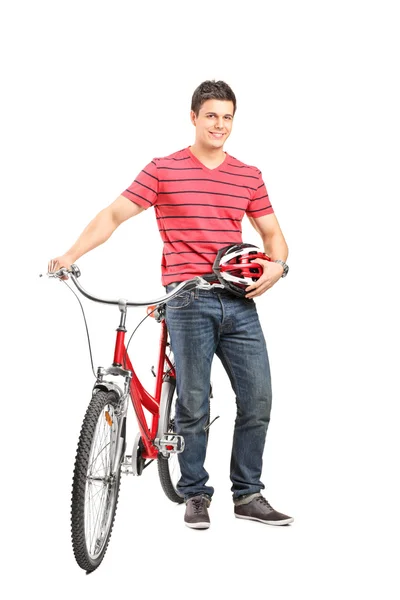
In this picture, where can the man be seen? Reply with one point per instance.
(200, 195)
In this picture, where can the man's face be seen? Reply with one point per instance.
(213, 123)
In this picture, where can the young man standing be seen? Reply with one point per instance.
(200, 195)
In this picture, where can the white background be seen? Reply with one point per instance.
(91, 91)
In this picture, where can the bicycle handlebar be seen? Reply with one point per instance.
(190, 284)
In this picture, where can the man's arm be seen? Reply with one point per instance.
(271, 234)
(97, 232)
(275, 246)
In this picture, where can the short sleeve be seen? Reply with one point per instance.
(259, 205)
(144, 189)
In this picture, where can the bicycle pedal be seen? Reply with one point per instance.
(126, 466)
(171, 443)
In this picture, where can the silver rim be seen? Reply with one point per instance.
(101, 484)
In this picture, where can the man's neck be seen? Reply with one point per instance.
(210, 157)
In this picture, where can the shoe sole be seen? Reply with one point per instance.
(203, 525)
(276, 523)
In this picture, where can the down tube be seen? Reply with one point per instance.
(139, 396)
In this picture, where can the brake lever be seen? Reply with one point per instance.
(58, 274)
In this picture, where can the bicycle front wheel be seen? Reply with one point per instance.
(96, 479)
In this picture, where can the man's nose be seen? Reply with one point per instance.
(220, 122)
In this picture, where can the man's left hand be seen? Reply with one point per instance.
(272, 272)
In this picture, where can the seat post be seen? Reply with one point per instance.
(121, 330)
(122, 308)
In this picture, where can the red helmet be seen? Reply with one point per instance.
(234, 267)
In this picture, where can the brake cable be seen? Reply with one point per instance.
(86, 325)
(87, 328)
(144, 428)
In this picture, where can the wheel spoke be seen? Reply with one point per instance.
(96, 536)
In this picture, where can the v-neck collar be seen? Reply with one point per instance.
(203, 166)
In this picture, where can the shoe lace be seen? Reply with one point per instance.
(197, 504)
(264, 501)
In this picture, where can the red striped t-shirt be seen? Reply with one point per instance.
(198, 210)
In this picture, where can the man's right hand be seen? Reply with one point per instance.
(55, 264)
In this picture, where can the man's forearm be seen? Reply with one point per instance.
(96, 233)
(275, 246)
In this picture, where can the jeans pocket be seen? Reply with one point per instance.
(181, 301)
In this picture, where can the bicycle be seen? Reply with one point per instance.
(100, 457)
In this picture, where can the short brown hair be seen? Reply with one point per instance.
(212, 90)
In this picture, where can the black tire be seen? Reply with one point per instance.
(168, 467)
(92, 471)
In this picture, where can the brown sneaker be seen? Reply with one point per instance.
(196, 515)
(257, 508)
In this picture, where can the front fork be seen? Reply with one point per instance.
(118, 436)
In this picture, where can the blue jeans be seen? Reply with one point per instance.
(203, 323)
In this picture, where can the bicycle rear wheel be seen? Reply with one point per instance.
(96, 482)
(168, 467)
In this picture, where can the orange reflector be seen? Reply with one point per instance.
(150, 310)
(169, 447)
(108, 418)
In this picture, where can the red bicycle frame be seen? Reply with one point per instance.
(140, 397)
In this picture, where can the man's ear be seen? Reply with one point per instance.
(193, 117)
